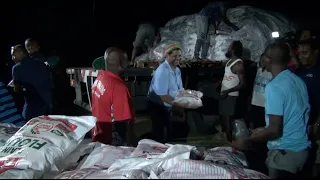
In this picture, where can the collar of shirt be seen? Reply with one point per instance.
(168, 66)
(110, 74)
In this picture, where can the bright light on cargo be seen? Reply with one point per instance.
(275, 34)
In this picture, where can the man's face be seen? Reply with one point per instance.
(124, 62)
(16, 56)
(307, 55)
(174, 58)
(32, 47)
(267, 61)
(263, 61)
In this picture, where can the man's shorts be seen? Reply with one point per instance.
(285, 160)
(227, 106)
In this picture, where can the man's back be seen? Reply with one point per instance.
(286, 95)
(33, 76)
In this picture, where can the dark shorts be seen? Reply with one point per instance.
(227, 106)
(110, 133)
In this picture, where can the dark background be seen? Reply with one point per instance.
(81, 34)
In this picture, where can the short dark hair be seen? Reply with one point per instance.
(33, 41)
(312, 42)
(238, 48)
(279, 52)
(19, 48)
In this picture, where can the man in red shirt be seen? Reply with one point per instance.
(111, 101)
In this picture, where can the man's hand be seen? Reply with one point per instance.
(257, 130)
(224, 94)
(241, 144)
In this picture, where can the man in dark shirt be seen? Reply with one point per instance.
(310, 73)
(33, 48)
(31, 77)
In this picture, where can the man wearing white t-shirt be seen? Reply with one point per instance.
(256, 114)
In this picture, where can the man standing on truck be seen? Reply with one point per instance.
(208, 19)
(165, 84)
(232, 82)
(111, 101)
(145, 39)
(31, 78)
(287, 115)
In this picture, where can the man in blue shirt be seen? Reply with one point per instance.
(8, 110)
(287, 115)
(31, 78)
(209, 18)
(165, 84)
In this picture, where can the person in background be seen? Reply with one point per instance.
(233, 81)
(145, 40)
(33, 48)
(111, 101)
(8, 110)
(309, 72)
(287, 115)
(256, 114)
(209, 18)
(31, 78)
(165, 84)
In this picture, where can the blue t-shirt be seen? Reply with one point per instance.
(33, 76)
(286, 95)
(165, 81)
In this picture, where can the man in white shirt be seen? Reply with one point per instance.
(256, 114)
(232, 82)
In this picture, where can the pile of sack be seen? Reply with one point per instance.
(53, 147)
(256, 26)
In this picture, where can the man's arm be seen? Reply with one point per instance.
(161, 85)
(238, 69)
(227, 22)
(122, 104)
(16, 78)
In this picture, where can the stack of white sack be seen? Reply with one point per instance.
(109, 162)
(256, 26)
(219, 163)
(41, 145)
(189, 99)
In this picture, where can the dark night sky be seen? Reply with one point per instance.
(71, 27)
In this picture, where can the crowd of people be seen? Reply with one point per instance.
(284, 101)
(34, 78)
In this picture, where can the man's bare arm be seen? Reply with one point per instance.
(238, 69)
(273, 131)
(227, 22)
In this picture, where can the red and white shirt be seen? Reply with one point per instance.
(111, 101)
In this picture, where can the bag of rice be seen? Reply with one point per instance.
(191, 169)
(189, 99)
(104, 156)
(102, 174)
(147, 148)
(226, 156)
(44, 141)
